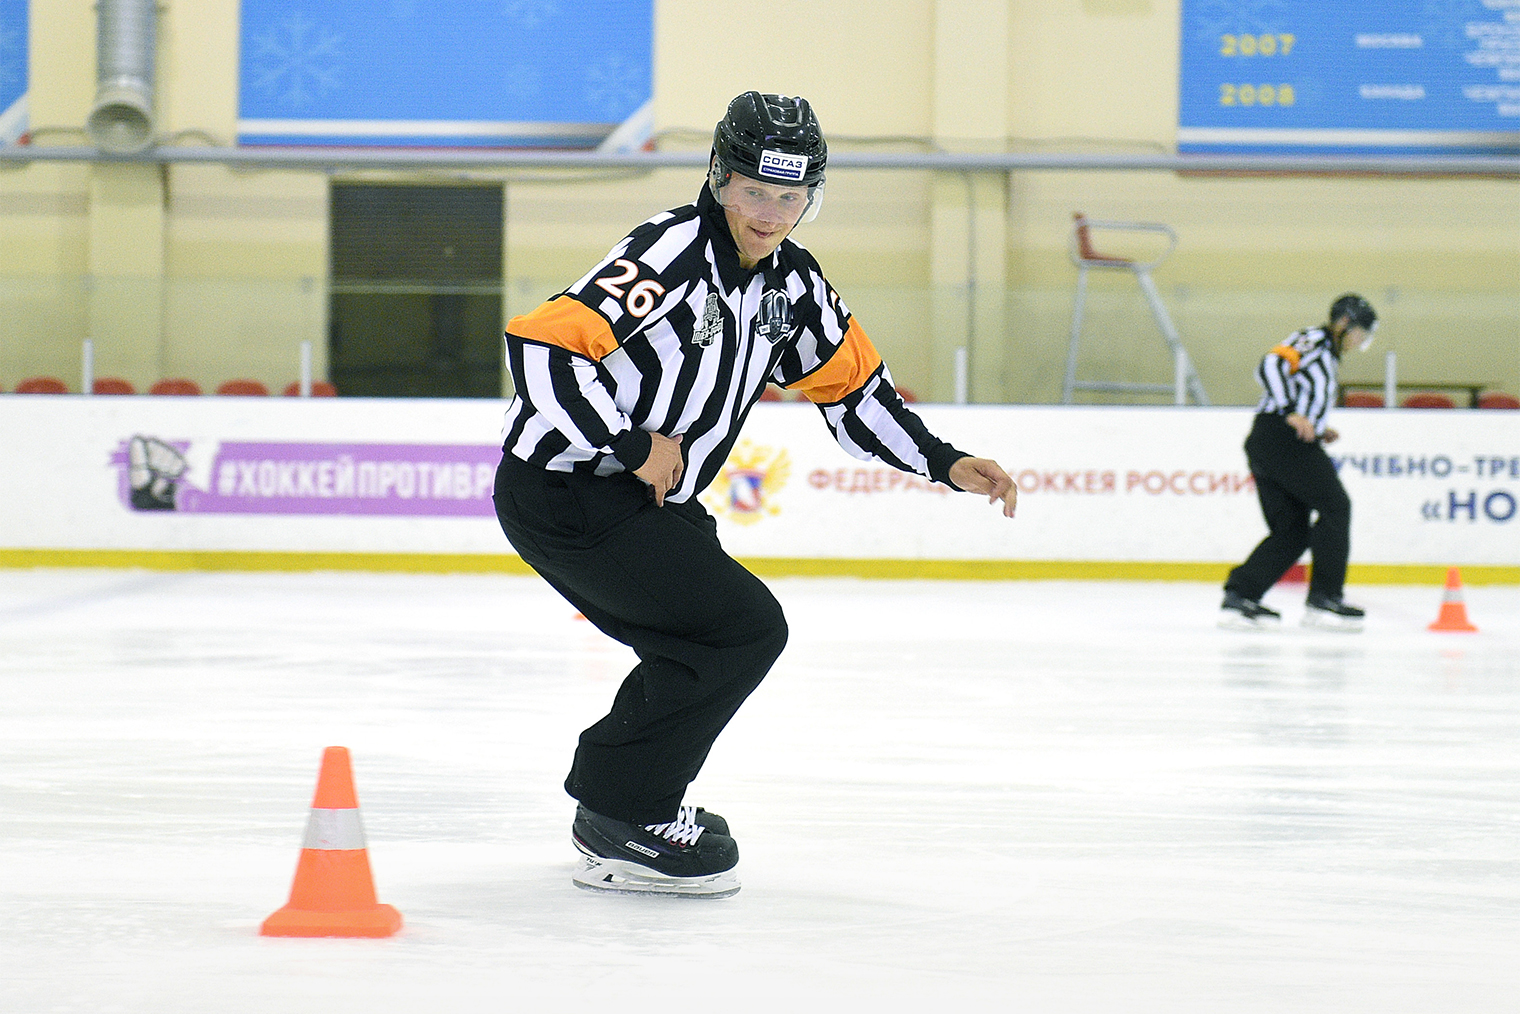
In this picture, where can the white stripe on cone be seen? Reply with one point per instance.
(334, 829)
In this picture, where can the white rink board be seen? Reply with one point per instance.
(1098, 483)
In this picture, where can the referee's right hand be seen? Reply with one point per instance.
(1303, 427)
(662, 469)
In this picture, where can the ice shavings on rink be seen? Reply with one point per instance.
(1036, 796)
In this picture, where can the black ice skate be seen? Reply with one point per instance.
(702, 818)
(1323, 611)
(1241, 613)
(705, 819)
(683, 857)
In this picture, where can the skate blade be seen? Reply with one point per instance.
(1322, 620)
(1229, 619)
(615, 876)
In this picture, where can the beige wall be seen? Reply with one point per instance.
(1256, 257)
(187, 270)
(215, 274)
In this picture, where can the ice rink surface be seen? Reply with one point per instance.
(1030, 796)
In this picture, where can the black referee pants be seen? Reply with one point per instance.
(1293, 480)
(655, 578)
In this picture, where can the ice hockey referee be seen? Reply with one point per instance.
(631, 388)
(1296, 478)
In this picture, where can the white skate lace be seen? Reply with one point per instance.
(684, 830)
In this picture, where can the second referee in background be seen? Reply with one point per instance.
(1295, 478)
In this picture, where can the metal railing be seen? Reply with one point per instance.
(406, 158)
(557, 166)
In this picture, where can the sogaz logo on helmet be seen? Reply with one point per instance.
(782, 165)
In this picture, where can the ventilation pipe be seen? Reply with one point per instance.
(121, 120)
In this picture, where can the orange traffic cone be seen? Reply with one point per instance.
(1453, 615)
(334, 892)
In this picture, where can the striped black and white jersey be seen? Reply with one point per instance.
(670, 335)
(1300, 376)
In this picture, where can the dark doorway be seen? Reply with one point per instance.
(416, 291)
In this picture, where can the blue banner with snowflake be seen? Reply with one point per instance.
(492, 73)
(13, 70)
(1396, 76)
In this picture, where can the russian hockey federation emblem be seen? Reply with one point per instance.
(748, 483)
(710, 328)
(775, 320)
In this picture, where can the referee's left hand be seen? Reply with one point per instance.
(662, 470)
(985, 476)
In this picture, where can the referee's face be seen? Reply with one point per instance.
(760, 215)
(1345, 336)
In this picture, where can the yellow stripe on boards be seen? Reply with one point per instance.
(209, 559)
(944, 570)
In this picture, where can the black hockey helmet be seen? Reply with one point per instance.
(1356, 308)
(1360, 314)
(774, 139)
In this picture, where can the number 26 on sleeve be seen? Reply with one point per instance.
(640, 299)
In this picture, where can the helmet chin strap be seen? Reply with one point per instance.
(1366, 343)
(1341, 325)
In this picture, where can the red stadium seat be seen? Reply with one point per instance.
(906, 395)
(770, 394)
(1362, 399)
(175, 385)
(243, 387)
(42, 385)
(1427, 400)
(112, 385)
(1085, 249)
(319, 389)
(1497, 399)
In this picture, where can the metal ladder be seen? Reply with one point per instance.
(1086, 259)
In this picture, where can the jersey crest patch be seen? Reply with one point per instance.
(710, 327)
(775, 320)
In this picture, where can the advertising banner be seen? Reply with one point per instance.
(492, 73)
(1397, 76)
(14, 70)
(380, 476)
